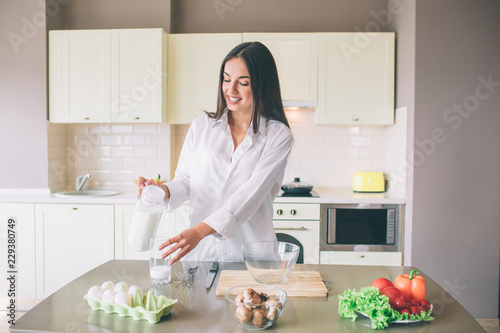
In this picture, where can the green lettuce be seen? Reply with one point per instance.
(369, 302)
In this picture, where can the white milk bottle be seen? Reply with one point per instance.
(146, 217)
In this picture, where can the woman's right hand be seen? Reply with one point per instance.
(142, 182)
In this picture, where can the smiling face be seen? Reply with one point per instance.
(236, 86)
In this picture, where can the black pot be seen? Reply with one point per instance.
(296, 187)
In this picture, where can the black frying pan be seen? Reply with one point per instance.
(296, 187)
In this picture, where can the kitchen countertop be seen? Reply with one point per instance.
(127, 196)
(200, 310)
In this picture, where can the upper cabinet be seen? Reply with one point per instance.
(107, 76)
(120, 76)
(356, 79)
(194, 62)
(296, 57)
(138, 71)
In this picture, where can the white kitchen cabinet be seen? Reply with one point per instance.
(71, 239)
(79, 76)
(124, 215)
(17, 236)
(356, 79)
(102, 76)
(296, 57)
(194, 62)
(138, 68)
(361, 258)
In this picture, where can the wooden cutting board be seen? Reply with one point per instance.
(298, 284)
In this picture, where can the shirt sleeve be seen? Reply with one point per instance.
(265, 179)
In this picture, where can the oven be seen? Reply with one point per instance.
(299, 223)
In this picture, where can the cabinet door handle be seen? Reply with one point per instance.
(75, 208)
(361, 255)
(137, 118)
(355, 119)
(279, 212)
(297, 229)
(293, 212)
(86, 118)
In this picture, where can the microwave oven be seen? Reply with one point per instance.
(361, 227)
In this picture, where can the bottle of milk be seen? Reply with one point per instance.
(146, 217)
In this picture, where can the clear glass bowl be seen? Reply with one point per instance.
(270, 262)
(257, 312)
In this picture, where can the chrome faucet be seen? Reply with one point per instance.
(80, 181)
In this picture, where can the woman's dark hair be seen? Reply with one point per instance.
(263, 81)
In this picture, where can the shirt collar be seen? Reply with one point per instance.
(262, 123)
(222, 120)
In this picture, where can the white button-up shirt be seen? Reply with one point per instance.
(230, 190)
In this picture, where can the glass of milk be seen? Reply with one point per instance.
(159, 269)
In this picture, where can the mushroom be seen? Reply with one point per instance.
(263, 297)
(243, 314)
(239, 298)
(259, 317)
(272, 307)
(251, 297)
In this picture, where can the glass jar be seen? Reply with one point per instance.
(147, 214)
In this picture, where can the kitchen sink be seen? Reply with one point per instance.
(88, 193)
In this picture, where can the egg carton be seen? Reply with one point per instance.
(148, 307)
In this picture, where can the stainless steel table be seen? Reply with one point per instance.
(199, 310)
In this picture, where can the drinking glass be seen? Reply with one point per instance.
(159, 269)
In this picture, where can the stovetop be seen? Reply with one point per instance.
(311, 194)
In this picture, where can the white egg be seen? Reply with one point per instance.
(108, 285)
(108, 295)
(132, 289)
(120, 286)
(95, 292)
(123, 298)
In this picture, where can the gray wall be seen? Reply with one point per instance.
(456, 211)
(201, 16)
(23, 95)
(116, 14)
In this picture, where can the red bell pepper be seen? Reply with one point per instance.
(412, 286)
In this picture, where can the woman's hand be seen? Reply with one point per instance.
(141, 183)
(186, 241)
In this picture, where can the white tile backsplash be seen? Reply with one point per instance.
(114, 154)
(57, 143)
(322, 155)
(327, 156)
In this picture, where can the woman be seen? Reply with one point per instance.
(232, 162)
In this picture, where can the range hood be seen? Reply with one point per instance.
(300, 104)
